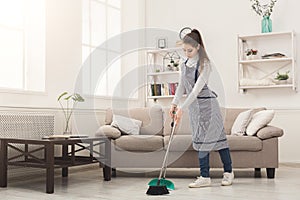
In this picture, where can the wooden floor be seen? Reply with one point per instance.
(87, 183)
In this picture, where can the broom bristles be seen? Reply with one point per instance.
(157, 190)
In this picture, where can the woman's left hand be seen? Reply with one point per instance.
(178, 115)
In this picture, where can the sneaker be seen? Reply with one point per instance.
(227, 178)
(200, 182)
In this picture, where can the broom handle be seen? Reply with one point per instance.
(170, 140)
(164, 165)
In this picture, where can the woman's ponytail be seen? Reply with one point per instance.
(199, 38)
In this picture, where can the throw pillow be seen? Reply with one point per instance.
(127, 125)
(108, 131)
(241, 122)
(259, 120)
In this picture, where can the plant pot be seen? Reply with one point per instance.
(281, 82)
(248, 57)
(255, 57)
(251, 57)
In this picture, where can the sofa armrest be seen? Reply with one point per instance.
(269, 132)
(108, 131)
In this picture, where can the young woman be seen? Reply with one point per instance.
(204, 111)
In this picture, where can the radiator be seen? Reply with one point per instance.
(26, 125)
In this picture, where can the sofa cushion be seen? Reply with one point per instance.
(142, 143)
(108, 131)
(231, 114)
(183, 128)
(179, 143)
(244, 143)
(151, 117)
(236, 143)
(259, 120)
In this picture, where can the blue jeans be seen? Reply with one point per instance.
(204, 161)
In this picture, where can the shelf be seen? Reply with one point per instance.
(263, 68)
(161, 97)
(266, 60)
(163, 73)
(262, 35)
(266, 86)
(165, 81)
(164, 97)
(165, 50)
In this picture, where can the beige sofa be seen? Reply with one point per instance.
(147, 149)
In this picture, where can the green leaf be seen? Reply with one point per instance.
(60, 96)
(67, 98)
(78, 97)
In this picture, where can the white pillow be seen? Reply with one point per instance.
(259, 120)
(127, 125)
(241, 122)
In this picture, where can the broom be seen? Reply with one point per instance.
(160, 186)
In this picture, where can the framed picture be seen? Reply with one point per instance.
(162, 43)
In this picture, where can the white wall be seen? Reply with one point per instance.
(219, 23)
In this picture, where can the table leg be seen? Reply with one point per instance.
(107, 162)
(3, 164)
(64, 171)
(26, 153)
(50, 168)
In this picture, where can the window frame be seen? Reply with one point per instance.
(92, 47)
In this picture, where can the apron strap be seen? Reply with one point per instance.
(197, 71)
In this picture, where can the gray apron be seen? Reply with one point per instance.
(205, 116)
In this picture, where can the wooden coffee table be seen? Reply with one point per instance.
(98, 147)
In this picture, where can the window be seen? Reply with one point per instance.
(22, 44)
(101, 20)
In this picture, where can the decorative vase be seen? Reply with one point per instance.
(68, 129)
(266, 24)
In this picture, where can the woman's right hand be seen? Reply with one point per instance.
(172, 111)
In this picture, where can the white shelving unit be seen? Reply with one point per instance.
(259, 68)
(161, 80)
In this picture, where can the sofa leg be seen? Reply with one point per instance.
(257, 173)
(270, 172)
(114, 172)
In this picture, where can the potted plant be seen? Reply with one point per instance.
(70, 104)
(173, 66)
(282, 78)
(251, 53)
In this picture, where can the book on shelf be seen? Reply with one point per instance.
(166, 89)
(273, 55)
(163, 89)
(156, 89)
(172, 88)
